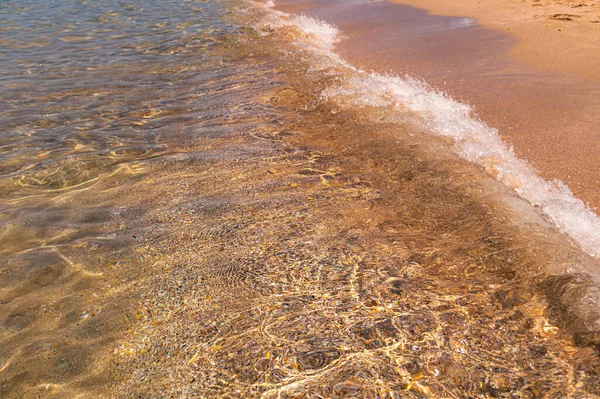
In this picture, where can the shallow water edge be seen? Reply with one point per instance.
(263, 239)
(359, 256)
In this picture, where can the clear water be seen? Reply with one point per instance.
(87, 86)
(184, 213)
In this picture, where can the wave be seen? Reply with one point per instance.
(438, 113)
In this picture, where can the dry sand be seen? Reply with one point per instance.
(556, 35)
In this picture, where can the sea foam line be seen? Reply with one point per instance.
(473, 139)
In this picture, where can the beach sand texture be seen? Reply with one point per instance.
(212, 200)
(556, 35)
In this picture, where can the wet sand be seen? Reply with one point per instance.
(550, 118)
(556, 35)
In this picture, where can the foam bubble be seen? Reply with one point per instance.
(443, 116)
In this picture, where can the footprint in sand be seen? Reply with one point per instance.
(563, 17)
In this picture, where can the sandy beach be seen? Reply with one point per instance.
(549, 115)
(218, 199)
(556, 35)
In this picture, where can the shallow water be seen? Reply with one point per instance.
(185, 214)
(88, 86)
(95, 96)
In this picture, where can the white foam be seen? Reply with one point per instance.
(473, 139)
(312, 35)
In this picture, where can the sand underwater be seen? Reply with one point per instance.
(205, 200)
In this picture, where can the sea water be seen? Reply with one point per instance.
(202, 199)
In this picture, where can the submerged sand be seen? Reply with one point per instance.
(267, 242)
(348, 255)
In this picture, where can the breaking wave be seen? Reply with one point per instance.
(472, 139)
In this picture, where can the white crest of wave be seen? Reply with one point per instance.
(473, 139)
(315, 36)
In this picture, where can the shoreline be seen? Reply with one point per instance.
(231, 209)
(548, 118)
(392, 91)
(356, 238)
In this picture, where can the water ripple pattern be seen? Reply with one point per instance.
(87, 86)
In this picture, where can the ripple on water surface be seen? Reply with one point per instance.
(184, 215)
(95, 97)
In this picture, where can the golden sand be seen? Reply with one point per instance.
(345, 258)
(556, 35)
